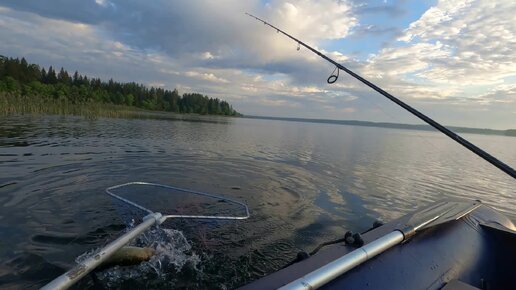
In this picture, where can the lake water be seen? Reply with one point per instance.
(304, 183)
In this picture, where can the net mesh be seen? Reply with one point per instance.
(135, 200)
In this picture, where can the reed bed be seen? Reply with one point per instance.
(15, 104)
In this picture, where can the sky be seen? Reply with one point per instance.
(452, 60)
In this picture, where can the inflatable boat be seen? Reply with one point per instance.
(450, 245)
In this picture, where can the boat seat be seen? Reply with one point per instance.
(458, 285)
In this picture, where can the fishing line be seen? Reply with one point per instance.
(392, 117)
(416, 132)
(334, 76)
(473, 148)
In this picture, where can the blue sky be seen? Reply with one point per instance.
(453, 60)
(380, 22)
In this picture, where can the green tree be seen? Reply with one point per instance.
(51, 76)
(19, 77)
(129, 99)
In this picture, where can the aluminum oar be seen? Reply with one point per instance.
(434, 215)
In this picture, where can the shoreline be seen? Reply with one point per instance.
(21, 105)
(422, 127)
(14, 105)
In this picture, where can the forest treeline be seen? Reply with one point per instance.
(20, 78)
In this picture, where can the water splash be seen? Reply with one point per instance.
(173, 254)
(172, 249)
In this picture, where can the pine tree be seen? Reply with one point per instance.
(63, 77)
(51, 76)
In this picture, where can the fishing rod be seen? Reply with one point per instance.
(333, 78)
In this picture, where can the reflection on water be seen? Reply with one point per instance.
(304, 183)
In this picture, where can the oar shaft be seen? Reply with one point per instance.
(330, 271)
(80, 270)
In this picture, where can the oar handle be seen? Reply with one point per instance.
(80, 270)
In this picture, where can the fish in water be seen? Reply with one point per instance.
(128, 256)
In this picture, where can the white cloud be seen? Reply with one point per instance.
(206, 76)
(101, 2)
(345, 110)
(156, 84)
(477, 42)
(105, 4)
(458, 56)
(504, 94)
(314, 20)
(398, 61)
(276, 102)
(207, 55)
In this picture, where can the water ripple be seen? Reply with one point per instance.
(304, 184)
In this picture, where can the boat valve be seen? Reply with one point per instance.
(353, 239)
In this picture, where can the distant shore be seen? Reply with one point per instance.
(11, 104)
(509, 132)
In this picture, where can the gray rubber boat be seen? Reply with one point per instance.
(451, 244)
